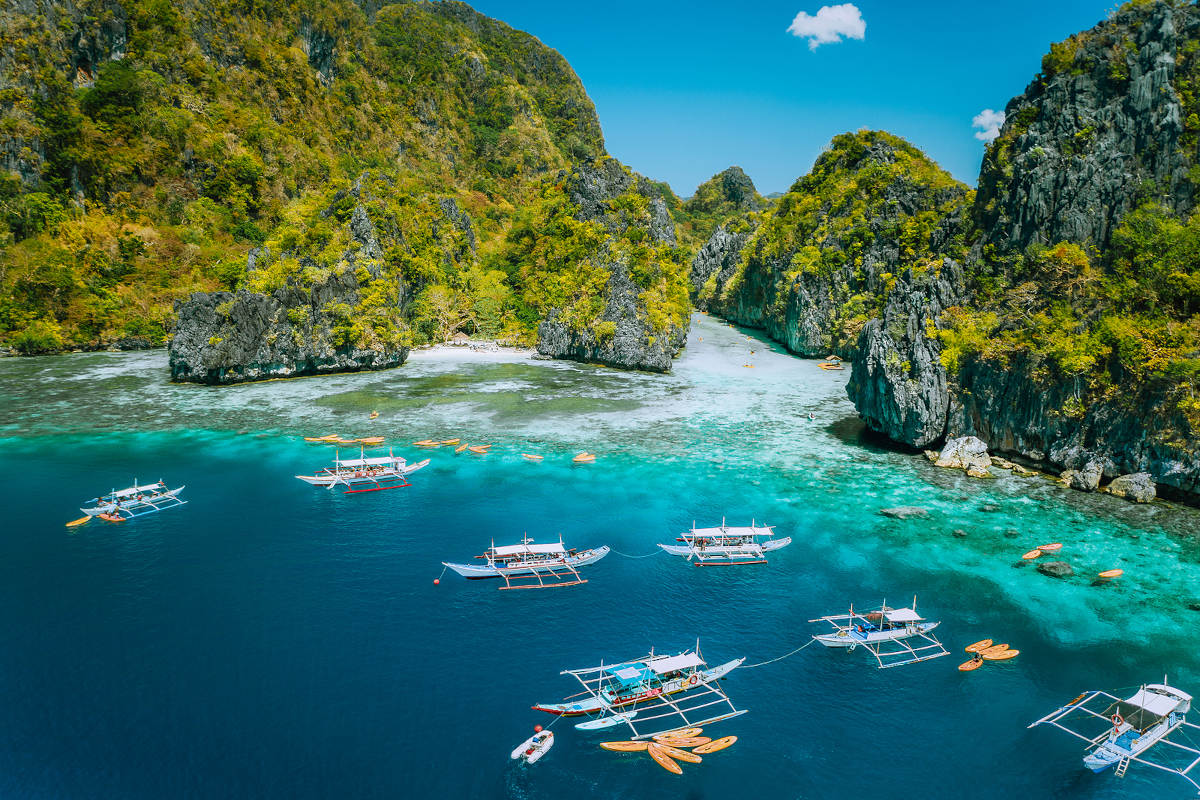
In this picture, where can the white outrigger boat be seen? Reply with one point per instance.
(727, 545)
(1129, 728)
(660, 692)
(885, 633)
(372, 474)
(135, 501)
(531, 566)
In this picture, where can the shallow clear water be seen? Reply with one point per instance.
(273, 640)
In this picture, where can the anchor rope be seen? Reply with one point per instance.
(781, 658)
(443, 573)
(618, 552)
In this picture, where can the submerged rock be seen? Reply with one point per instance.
(904, 512)
(1056, 569)
(1138, 487)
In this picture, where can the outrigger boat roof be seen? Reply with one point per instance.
(1152, 705)
(528, 548)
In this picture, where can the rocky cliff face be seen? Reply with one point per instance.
(1102, 128)
(341, 322)
(897, 380)
(825, 257)
(225, 337)
(1109, 124)
(630, 331)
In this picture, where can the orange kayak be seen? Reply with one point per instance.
(685, 741)
(1112, 573)
(111, 517)
(676, 753)
(967, 666)
(1003, 655)
(1032, 554)
(993, 650)
(664, 760)
(625, 747)
(1050, 548)
(982, 644)
(715, 745)
(461, 447)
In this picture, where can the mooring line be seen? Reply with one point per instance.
(781, 658)
(618, 552)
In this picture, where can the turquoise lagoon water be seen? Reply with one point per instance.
(269, 639)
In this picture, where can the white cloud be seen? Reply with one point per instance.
(989, 123)
(829, 25)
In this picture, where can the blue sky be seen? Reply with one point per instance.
(684, 89)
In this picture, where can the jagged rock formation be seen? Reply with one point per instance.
(725, 196)
(1096, 132)
(225, 337)
(1109, 124)
(824, 258)
(630, 330)
(897, 381)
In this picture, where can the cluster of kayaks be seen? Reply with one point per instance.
(1054, 547)
(437, 443)
(336, 439)
(986, 650)
(668, 749)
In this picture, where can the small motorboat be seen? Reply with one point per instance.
(882, 634)
(533, 748)
(135, 501)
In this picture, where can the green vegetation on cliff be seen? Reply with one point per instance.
(145, 163)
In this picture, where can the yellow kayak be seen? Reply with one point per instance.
(374, 415)
(461, 447)
(80, 521)
(372, 440)
(676, 753)
(1003, 655)
(625, 747)
(715, 745)
(982, 644)
(426, 443)
(331, 438)
(314, 438)
(664, 760)
(449, 442)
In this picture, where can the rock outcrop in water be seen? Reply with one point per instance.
(825, 257)
(640, 318)
(1110, 124)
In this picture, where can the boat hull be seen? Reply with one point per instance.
(1128, 744)
(130, 504)
(357, 477)
(481, 571)
(606, 702)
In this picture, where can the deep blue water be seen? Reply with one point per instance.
(270, 639)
